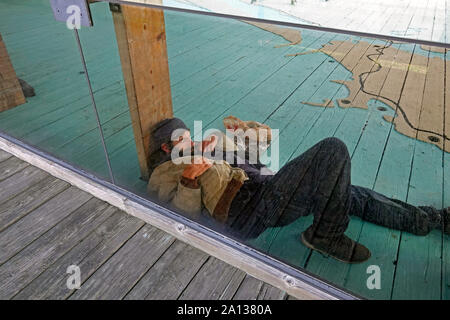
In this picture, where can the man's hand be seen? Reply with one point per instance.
(209, 145)
(195, 170)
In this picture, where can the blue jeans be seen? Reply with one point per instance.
(318, 182)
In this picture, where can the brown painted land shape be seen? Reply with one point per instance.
(291, 35)
(411, 84)
(419, 106)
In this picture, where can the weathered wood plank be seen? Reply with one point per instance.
(254, 289)
(269, 292)
(171, 273)
(141, 39)
(124, 269)
(57, 128)
(249, 289)
(36, 223)
(227, 44)
(271, 275)
(226, 98)
(25, 202)
(391, 178)
(20, 181)
(17, 272)
(419, 258)
(89, 255)
(4, 155)
(216, 280)
(11, 166)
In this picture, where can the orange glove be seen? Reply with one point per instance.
(209, 145)
(195, 170)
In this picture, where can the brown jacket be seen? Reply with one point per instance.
(217, 187)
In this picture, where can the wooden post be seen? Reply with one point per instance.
(11, 93)
(141, 39)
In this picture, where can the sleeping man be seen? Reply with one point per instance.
(233, 196)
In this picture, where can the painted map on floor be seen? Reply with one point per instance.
(380, 74)
(413, 85)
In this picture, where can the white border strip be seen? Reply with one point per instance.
(250, 265)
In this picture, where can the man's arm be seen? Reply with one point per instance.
(188, 197)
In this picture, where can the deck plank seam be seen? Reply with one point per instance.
(106, 260)
(149, 267)
(261, 82)
(15, 194)
(96, 247)
(12, 172)
(52, 227)
(74, 244)
(382, 155)
(194, 276)
(28, 211)
(411, 171)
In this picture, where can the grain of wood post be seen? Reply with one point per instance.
(141, 39)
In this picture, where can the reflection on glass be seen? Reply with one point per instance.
(57, 116)
(336, 148)
(356, 179)
(415, 19)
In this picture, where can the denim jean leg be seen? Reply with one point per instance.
(322, 190)
(391, 213)
(316, 182)
(332, 198)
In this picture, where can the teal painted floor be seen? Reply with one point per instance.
(220, 67)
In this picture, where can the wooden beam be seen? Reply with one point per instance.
(141, 39)
(11, 93)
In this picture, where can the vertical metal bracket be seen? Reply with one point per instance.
(63, 11)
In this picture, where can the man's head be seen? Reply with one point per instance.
(172, 134)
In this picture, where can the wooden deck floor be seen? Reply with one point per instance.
(47, 225)
(229, 67)
(371, 16)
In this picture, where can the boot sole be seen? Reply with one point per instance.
(307, 244)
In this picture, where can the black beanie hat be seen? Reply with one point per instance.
(162, 132)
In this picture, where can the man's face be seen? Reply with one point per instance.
(183, 142)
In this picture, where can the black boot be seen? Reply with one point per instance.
(341, 248)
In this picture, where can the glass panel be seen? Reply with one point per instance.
(58, 118)
(105, 71)
(358, 126)
(358, 129)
